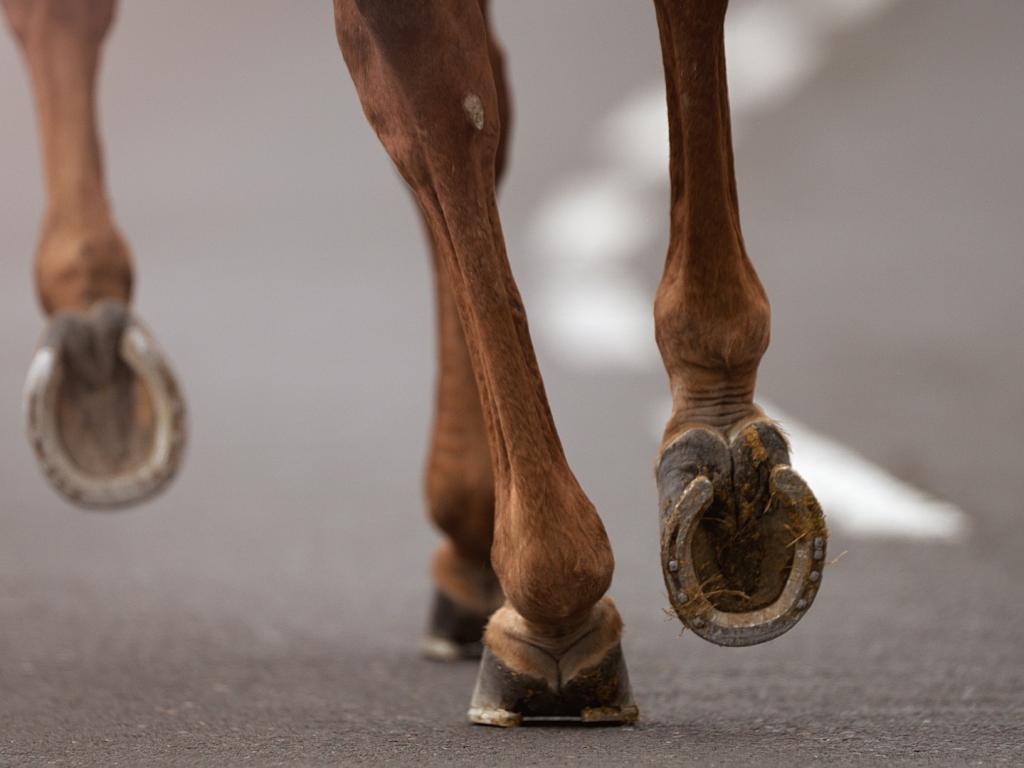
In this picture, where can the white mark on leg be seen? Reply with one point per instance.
(474, 109)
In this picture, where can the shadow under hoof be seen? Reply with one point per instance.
(105, 414)
(600, 695)
(743, 539)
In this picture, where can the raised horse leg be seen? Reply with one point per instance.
(743, 539)
(105, 417)
(426, 82)
(459, 481)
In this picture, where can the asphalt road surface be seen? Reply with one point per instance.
(265, 611)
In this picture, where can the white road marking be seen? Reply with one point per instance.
(593, 320)
(590, 222)
(598, 221)
(634, 138)
(591, 308)
(594, 312)
(862, 498)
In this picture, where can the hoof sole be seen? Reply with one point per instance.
(781, 527)
(599, 695)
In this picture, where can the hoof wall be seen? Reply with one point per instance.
(455, 633)
(598, 695)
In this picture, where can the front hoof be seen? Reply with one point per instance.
(599, 695)
(743, 538)
(105, 415)
(577, 679)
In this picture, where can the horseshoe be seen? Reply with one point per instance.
(47, 375)
(790, 498)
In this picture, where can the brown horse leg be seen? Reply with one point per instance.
(459, 481)
(81, 257)
(98, 430)
(743, 537)
(427, 86)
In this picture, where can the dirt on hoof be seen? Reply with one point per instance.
(599, 695)
(743, 548)
(531, 678)
(743, 538)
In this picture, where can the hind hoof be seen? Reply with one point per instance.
(743, 539)
(455, 632)
(105, 415)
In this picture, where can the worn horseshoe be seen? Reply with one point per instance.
(686, 593)
(43, 389)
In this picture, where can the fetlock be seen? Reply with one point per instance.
(79, 265)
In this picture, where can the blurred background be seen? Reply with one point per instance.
(266, 609)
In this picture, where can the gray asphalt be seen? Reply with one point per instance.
(265, 611)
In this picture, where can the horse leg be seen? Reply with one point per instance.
(427, 86)
(743, 538)
(81, 257)
(105, 417)
(459, 481)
